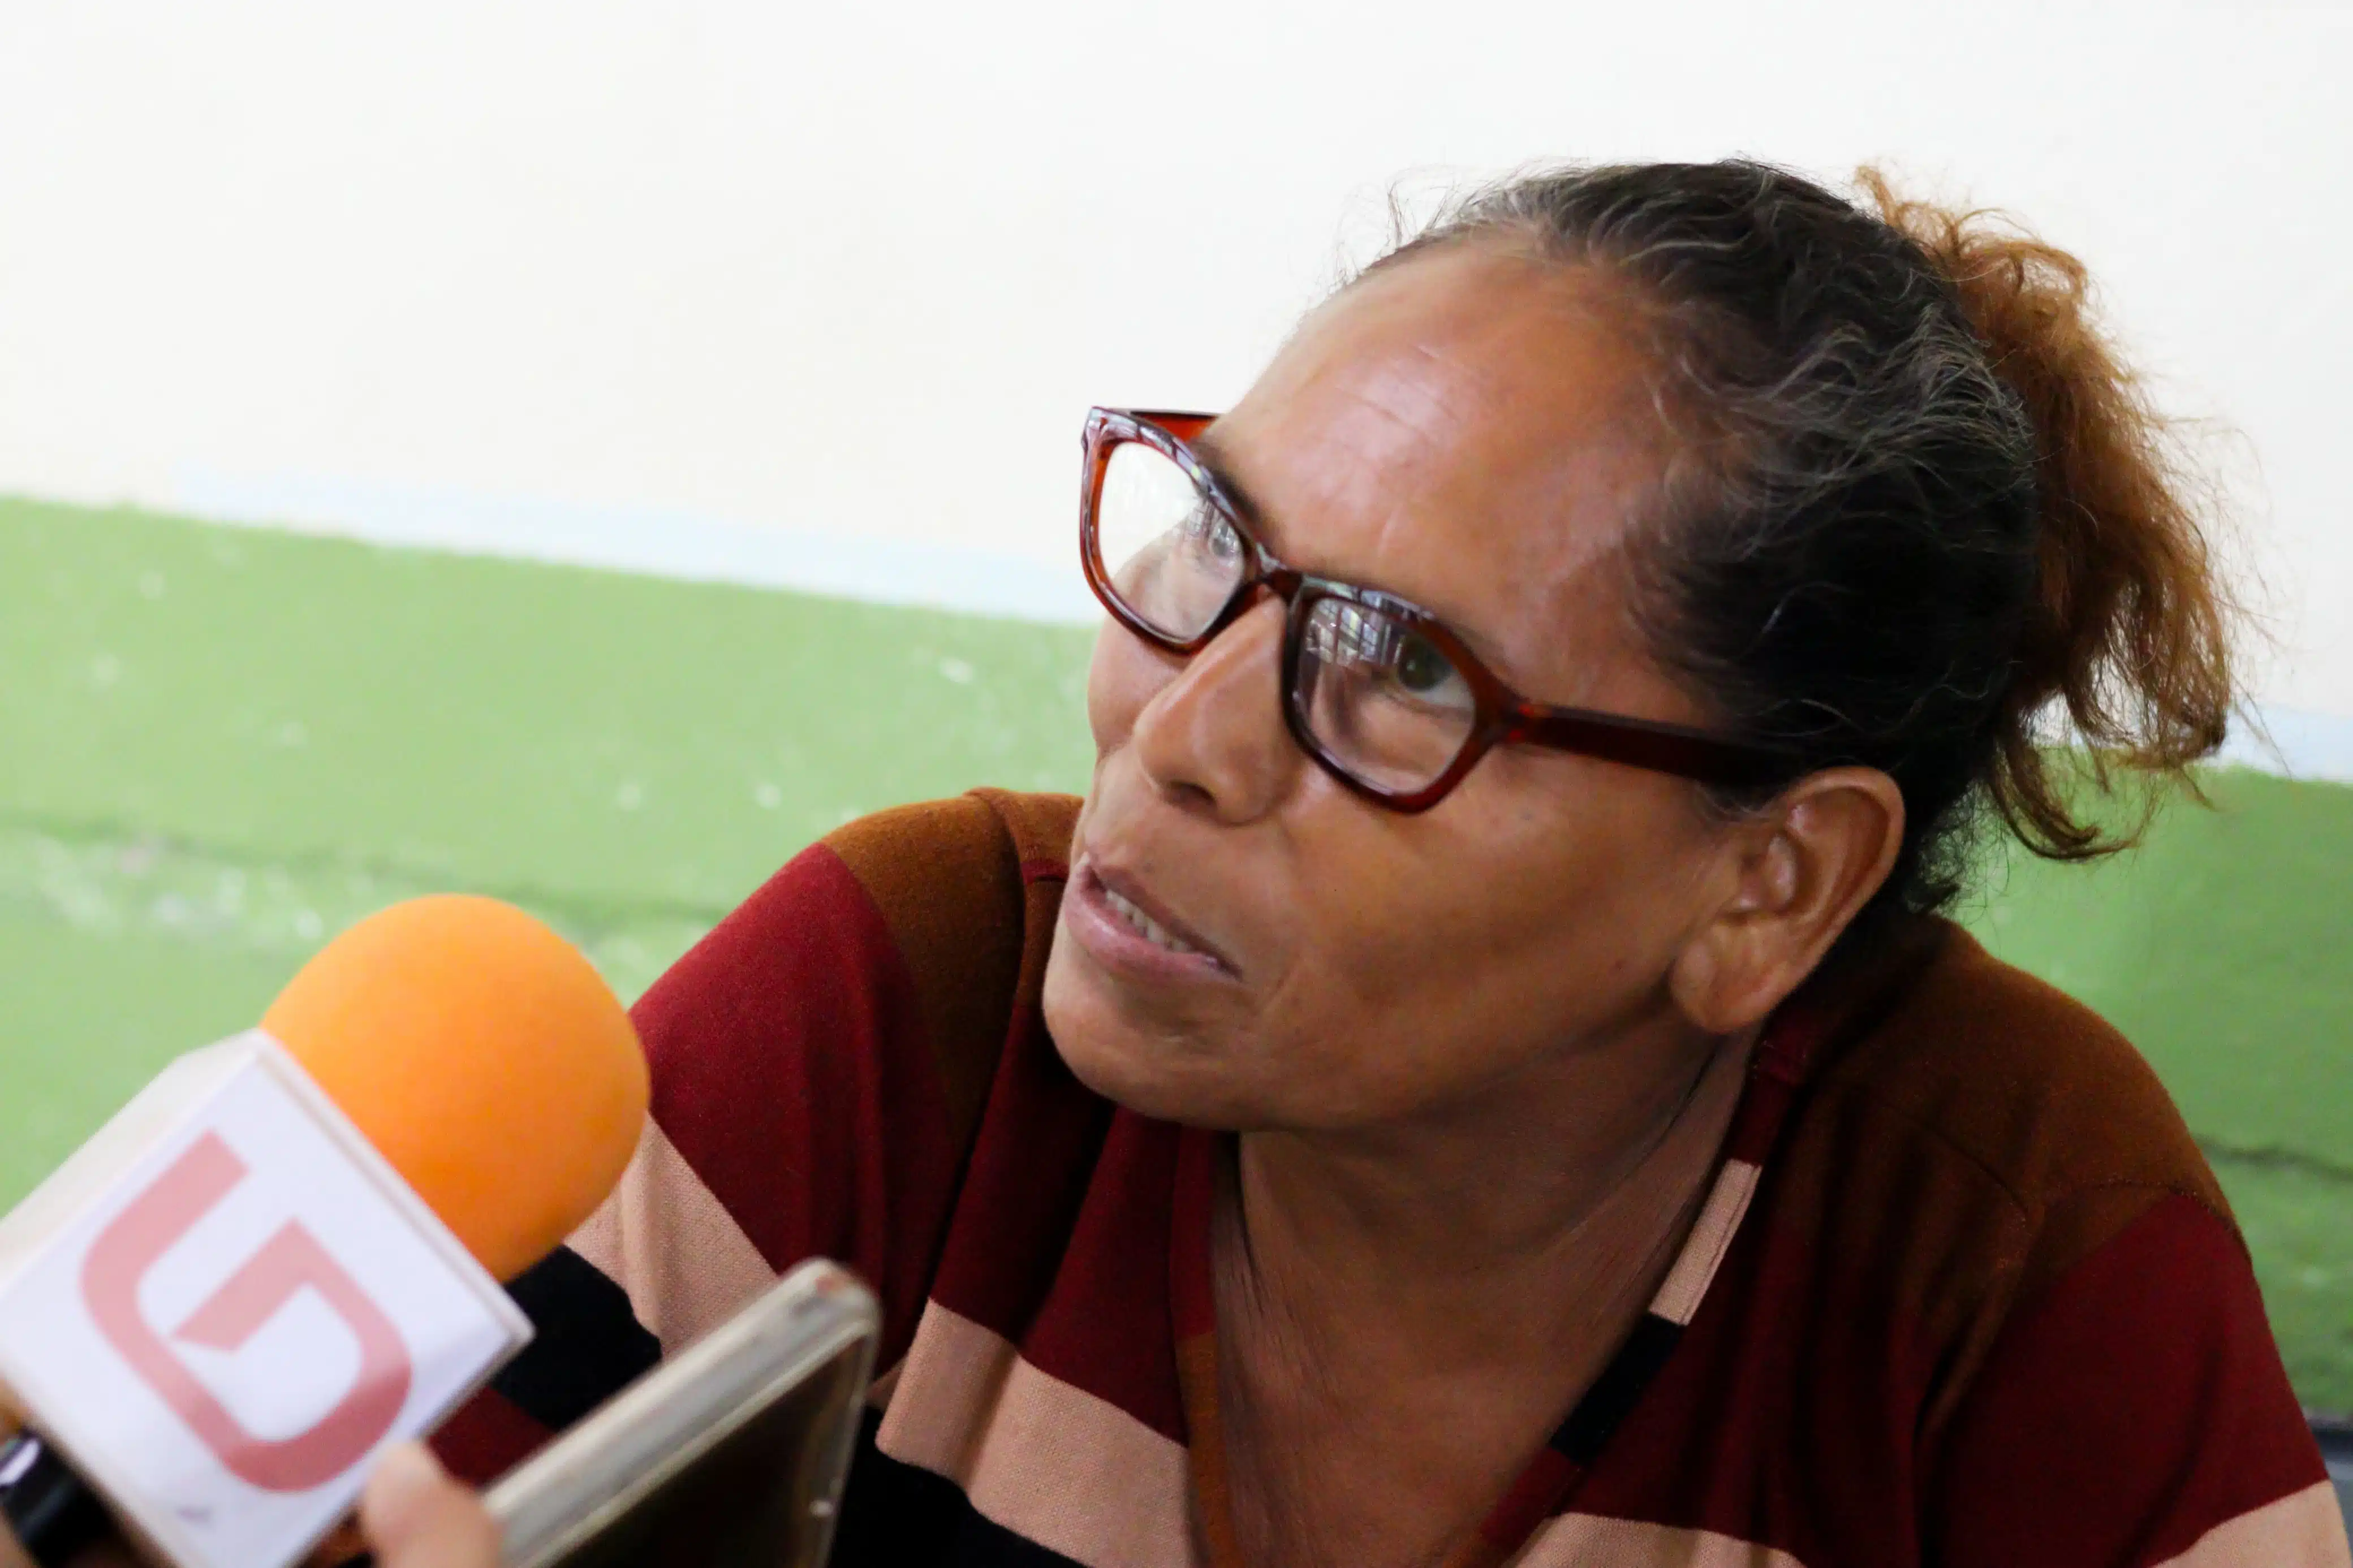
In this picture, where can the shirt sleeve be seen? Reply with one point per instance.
(818, 1063)
(2133, 1414)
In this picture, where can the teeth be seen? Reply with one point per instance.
(1152, 929)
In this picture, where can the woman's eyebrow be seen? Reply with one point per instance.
(1212, 457)
(1204, 448)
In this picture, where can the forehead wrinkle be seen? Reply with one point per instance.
(1550, 551)
(1539, 591)
(1269, 526)
(1431, 421)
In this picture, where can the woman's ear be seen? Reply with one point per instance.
(1799, 870)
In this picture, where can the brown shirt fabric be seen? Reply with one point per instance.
(1965, 1294)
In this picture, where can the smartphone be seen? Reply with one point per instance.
(732, 1453)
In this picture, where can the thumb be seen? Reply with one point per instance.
(414, 1516)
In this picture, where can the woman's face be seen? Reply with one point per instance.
(1468, 429)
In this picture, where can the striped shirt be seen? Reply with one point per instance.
(1963, 1292)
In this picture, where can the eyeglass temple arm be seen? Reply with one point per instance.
(1648, 744)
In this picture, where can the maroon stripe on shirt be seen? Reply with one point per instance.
(2118, 1409)
(1535, 1494)
(791, 1073)
(1041, 1130)
(1788, 1405)
(1107, 1328)
(1191, 1299)
(486, 1437)
(1040, 1135)
(1785, 1059)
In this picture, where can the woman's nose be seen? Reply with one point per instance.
(1213, 738)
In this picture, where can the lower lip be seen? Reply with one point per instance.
(1118, 946)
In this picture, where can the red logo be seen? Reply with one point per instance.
(291, 1259)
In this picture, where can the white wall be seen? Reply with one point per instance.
(707, 280)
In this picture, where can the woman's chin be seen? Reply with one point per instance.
(1132, 1074)
(1154, 1075)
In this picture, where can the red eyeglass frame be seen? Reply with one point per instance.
(1501, 715)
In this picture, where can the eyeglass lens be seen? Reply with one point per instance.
(1383, 702)
(1167, 549)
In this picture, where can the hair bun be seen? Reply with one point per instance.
(2129, 627)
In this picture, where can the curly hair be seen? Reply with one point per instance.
(1918, 507)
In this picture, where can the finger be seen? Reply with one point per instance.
(416, 1517)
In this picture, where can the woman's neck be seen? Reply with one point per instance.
(1404, 1316)
(1530, 1182)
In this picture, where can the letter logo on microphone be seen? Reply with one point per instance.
(228, 1300)
(131, 1244)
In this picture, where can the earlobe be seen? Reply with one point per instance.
(1696, 977)
(1726, 979)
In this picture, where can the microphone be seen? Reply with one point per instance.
(286, 1251)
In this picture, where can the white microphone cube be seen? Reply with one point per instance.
(228, 1302)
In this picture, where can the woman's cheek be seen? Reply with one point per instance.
(1122, 677)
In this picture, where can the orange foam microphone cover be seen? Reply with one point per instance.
(483, 1057)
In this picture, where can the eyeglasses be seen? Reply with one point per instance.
(1378, 691)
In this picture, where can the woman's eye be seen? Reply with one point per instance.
(1214, 534)
(1421, 669)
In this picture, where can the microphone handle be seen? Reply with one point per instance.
(52, 1510)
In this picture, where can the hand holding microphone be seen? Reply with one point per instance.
(412, 1515)
(257, 1273)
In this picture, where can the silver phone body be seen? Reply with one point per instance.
(731, 1453)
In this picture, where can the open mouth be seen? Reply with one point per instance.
(1152, 931)
(1122, 915)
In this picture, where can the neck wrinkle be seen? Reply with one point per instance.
(1330, 1251)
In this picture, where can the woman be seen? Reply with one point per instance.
(1481, 1076)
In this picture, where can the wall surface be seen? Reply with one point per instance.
(773, 292)
(814, 297)
(226, 745)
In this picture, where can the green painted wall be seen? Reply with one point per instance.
(2223, 948)
(218, 746)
